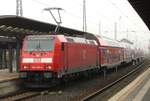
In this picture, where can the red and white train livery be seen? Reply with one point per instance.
(45, 57)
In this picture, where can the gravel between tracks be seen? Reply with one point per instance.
(77, 89)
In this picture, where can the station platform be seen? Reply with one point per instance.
(5, 75)
(138, 90)
(9, 82)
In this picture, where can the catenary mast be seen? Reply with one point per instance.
(19, 10)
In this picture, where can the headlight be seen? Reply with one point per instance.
(48, 67)
(25, 67)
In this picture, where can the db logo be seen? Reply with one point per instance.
(37, 60)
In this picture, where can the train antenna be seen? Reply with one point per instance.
(58, 22)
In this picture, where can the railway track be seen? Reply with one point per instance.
(85, 96)
(96, 93)
(81, 91)
(22, 95)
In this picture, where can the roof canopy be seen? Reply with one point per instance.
(143, 9)
(24, 25)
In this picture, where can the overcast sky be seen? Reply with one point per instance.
(104, 12)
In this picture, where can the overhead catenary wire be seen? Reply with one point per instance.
(121, 12)
(89, 17)
(74, 15)
(41, 3)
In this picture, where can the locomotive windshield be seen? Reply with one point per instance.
(39, 44)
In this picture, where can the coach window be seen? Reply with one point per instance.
(104, 51)
(108, 52)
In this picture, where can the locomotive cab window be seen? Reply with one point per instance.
(39, 44)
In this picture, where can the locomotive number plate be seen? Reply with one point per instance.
(37, 60)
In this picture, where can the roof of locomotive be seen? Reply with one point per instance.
(63, 38)
(60, 37)
(80, 40)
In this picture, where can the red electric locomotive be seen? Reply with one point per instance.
(45, 57)
(49, 57)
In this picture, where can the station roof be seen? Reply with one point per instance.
(143, 9)
(22, 25)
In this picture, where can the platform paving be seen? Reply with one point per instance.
(5, 75)
(138, 90)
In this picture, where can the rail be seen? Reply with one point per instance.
(99, 91)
